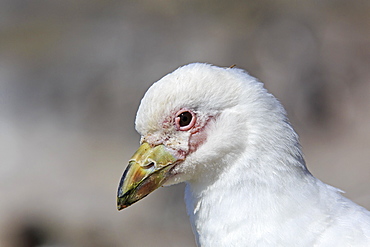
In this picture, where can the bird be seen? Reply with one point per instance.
(222, 133)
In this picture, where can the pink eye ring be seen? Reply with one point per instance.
(185, 120)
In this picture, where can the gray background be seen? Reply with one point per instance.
(72, 74)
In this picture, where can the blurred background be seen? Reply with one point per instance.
(72, 74)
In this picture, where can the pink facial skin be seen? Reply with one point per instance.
(196, 128)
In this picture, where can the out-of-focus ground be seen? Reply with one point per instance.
(72, 74)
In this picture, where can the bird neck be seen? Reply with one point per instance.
(249, 194)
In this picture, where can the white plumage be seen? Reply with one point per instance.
(247, 182)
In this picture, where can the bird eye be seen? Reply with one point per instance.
(184, 120)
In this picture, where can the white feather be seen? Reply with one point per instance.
(247, 183)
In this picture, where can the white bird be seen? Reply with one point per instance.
(221, 132)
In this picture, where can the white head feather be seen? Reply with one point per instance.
(236, 112)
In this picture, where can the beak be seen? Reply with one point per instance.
(147, 170)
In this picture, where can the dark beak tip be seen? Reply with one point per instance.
(121, 205)
(122, 202)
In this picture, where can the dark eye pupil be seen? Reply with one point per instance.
(185, 119)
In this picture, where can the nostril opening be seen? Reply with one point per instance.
(149, 165)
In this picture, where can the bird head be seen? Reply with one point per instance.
(194, 122)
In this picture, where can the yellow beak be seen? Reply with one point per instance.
(147, 170)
